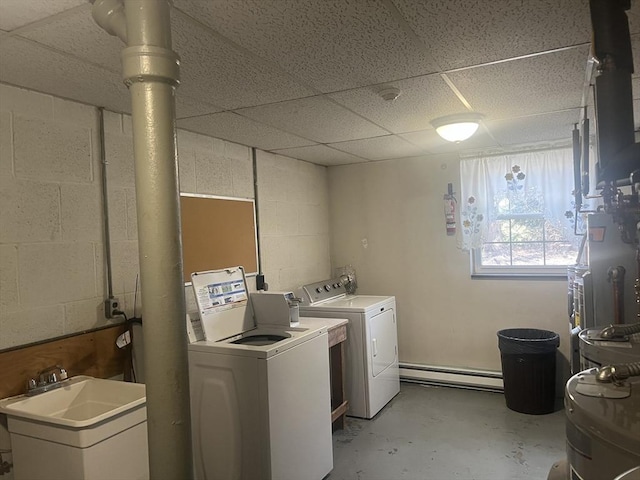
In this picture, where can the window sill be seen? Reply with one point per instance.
(519, 276)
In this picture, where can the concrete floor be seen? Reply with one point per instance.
(440, 433)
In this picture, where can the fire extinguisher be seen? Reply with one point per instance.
(450, 210)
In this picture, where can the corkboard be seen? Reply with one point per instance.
(217, 233)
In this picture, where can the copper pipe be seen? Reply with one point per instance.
(616, 276)
(636, 286)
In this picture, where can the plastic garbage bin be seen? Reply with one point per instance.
(528, 360)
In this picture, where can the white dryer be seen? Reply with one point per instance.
(372, 378)
(260, 395)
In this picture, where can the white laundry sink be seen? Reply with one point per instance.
(87, 428)
(80, 402)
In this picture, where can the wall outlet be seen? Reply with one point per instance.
(110, 306)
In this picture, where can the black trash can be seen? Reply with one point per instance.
(528, 360)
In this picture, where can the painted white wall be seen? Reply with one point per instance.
(52, 265)
(387, 220)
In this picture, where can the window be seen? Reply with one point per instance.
(517, 213)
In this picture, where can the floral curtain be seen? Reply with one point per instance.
(522, 183)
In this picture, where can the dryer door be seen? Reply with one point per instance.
(382, 341)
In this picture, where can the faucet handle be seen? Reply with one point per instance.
(49, 375)
(46, 379)
(31, 384)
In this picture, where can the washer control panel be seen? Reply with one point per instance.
(324, 290)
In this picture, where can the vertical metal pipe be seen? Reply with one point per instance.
(254, 164)
(616, 277)
(577, 192)
(613, 89)
(105, 204)
(260, 280)
(151, 72)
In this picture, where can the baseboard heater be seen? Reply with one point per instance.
(487, 380)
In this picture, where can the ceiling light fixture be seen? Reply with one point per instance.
(458, 127)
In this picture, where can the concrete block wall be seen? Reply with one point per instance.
(50, 218)
(52, 262)
(293, 207)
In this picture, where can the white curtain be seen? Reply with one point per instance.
(522, 183)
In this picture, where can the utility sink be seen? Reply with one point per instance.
(88, 428)
(80, 401)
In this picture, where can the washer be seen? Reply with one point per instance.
(260, 398)
(372, 374)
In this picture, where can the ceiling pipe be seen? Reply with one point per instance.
(109, 14)
(151, 72)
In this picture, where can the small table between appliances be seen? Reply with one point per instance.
(337, 330)
(339, 404)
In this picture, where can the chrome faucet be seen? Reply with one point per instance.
(48, 379)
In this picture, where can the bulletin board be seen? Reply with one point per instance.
(217, 232)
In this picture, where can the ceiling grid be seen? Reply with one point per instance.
(302, 78)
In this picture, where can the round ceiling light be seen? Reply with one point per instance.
(458, 127)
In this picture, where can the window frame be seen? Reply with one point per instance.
(477, 268)
(514, 271)
(559, 271)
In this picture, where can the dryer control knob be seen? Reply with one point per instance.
(327, 287)
(319, 290)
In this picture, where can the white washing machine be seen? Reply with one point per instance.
(260, 394)
(372, 377)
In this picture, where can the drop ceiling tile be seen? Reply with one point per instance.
(534, 129)
(316, 118)
(16, 13)
(431, 142)
(330, 44)
(421, 100)
(460, 33)
(540, 84)
(56, 74)
(321, 155)
(192, 107)
(380, 148)
(211, 69)
(218, 72)
(238, 129)
(78, 34)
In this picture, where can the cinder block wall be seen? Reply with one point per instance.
(52, 265)
(293, 204)
(51, 269)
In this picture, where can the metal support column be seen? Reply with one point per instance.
(150, 70)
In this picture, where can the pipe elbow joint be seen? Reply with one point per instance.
(109, 14)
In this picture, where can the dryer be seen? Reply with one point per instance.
(260, 393)
(372, 373)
